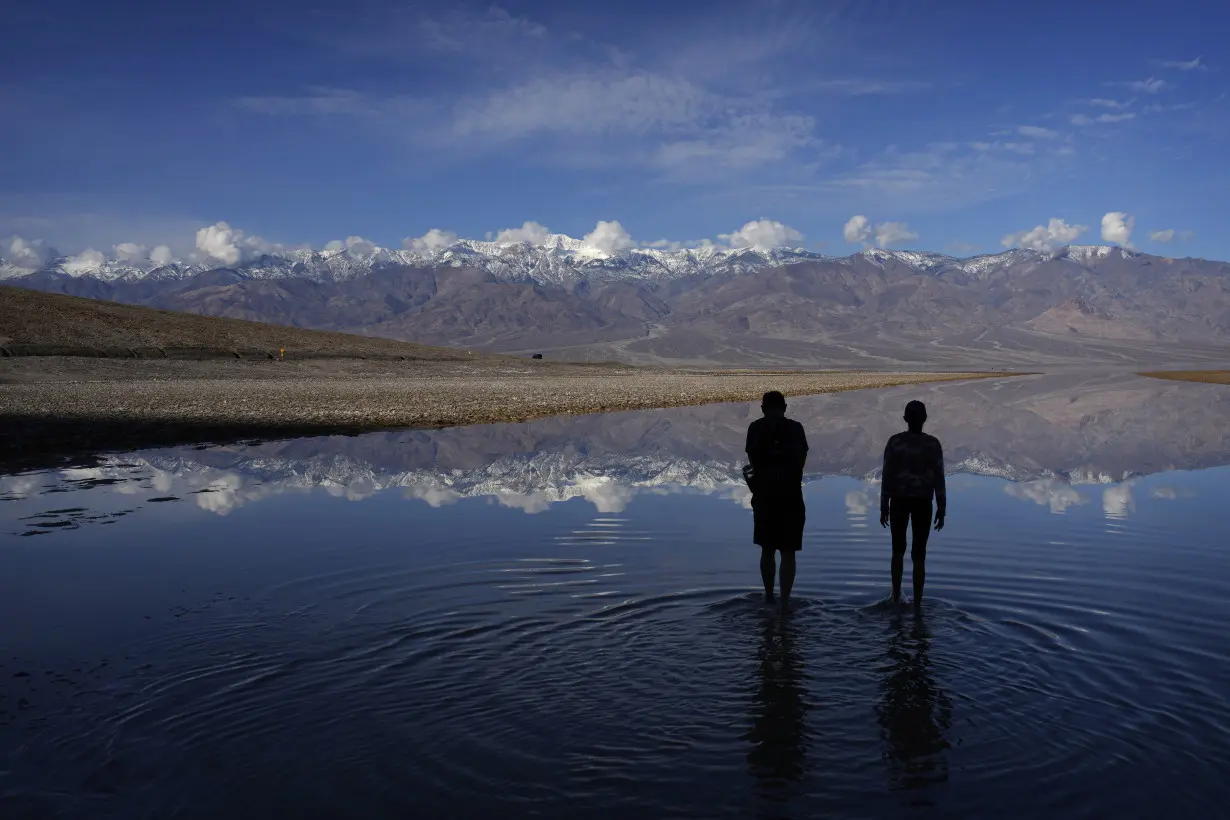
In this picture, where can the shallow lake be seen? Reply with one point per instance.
(562, 619)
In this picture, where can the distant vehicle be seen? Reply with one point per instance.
(537, 356)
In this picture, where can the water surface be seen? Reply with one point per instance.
(560, 619)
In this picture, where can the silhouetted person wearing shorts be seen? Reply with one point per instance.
(913, 473)
(777, 450)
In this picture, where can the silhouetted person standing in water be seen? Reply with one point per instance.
(777, 450)
(913, 473)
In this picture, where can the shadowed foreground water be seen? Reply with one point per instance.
(238, 633)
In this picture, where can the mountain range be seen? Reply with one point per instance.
(704, 305)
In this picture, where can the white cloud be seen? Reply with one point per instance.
(87, 261)
(1084, 119)
(1170, 234)
(1047, 493)
(130, 252)
(464, 31)
(1117, 227)
(433, 241)
(27, 255)
(1036, 132)
(1018, 147)
(892, 233)
(859, 88)
(587, 103)
(762, 233)
(1054, 234)
(161, 255)
(323, 102)
(664, 244)
(530, 232)
(857, 229)
(229, 245)
(353, 244)
(1149, 86)
(1184, 65)
(609, 237)
(1105, 103)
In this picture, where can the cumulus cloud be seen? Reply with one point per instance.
(161, 255)
(531, 232)
(762, 233)
(229, 245)
(892, 233)
(433, 241)
(608, 237)
(1036, 132)
(87, 261)
(1048, 237)
(130, 252)
(1047, 493)
(857, 229)
(354, 244)
(26, 254)
(1163, 236)
(1117, 227)
(664, 244)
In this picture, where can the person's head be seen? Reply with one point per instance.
(773, 404)
(915, 414)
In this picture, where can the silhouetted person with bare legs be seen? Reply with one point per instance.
(777, 450)
(913, 474)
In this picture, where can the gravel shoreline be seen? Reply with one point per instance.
(58, 408)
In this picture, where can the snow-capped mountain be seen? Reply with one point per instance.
(559, 260)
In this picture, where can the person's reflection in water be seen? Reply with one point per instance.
(777, 758)
(914, 713)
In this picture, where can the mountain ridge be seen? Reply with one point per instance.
(710, 306)
(558, 260)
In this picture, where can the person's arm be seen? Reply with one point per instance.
(750, 446)
(941, 492)
(802, 449)
(885, 475)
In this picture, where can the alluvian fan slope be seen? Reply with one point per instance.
(706, 305)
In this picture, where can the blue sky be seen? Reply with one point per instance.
(948, 125)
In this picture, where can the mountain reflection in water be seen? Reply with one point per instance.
(218, 631)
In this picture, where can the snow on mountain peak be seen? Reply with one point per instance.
(527, 254)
